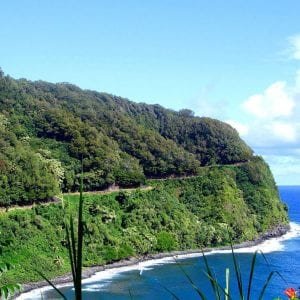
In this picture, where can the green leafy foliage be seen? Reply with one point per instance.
(165, 242)
(46, 129)
(25, 175)
(137, 222)
(225, 192)
(221, 201)
(7, 289)
(260, 193)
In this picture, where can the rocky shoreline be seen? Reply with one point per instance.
(88, 272)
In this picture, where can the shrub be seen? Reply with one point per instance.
(165, 241)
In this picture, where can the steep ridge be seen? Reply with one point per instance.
(208, 210)
(220, 191)
(48, 128)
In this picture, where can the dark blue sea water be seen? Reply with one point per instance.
(282, 254)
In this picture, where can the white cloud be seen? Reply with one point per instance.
(294, 46)
(285, 168)
(275, 101)
(241, 128)
(272, 134)
(274, 116)
(286, 132)
(273, 120)
(269, 121)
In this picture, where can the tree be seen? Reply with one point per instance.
(7, 290)
(186, 112)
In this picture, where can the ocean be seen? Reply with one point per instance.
(157, 279)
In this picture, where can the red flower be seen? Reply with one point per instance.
(291, 293)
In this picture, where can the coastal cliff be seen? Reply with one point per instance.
(206, 187)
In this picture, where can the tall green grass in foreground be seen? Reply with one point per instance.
(75, 247)
(220, 292)
(7, 289)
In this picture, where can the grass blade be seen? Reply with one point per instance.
(267, 262)
(266, 285)
(253, 262)
(199, 292)
(238, 274)
(219, 286)
(227, 284)
(79, 241)
(4, 292)
(171, 293)
(212, 278)
(73, 243)
(52, 285)
(71, 258)
(130, 294)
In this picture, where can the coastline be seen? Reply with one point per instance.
(66, 279)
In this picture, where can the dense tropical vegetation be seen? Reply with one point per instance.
(208, 188)
(207, 210)
(46, 129)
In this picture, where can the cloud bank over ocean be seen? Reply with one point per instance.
(269, 120)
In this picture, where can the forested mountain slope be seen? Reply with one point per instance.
(219, 191)
(219, 206)
(46, 129)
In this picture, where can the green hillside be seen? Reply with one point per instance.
(221, 205)
(207, 186)
(46, 129)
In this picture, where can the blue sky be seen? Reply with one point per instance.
(237, 61)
